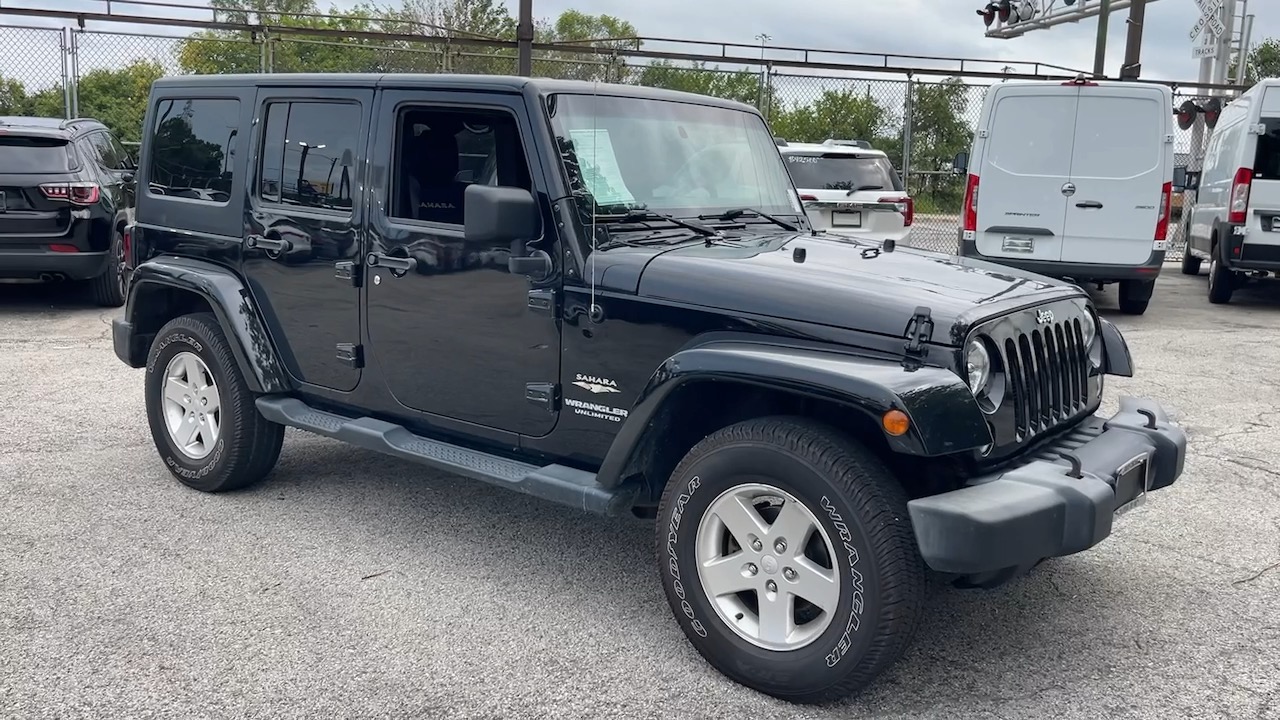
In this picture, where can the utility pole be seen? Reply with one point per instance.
(524, 39)
(1100, 52)
(1132, 66)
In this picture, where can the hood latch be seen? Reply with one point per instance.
(919, 331)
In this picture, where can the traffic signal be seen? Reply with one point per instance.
(1212, 111)
(1186, 113)
(988, 14)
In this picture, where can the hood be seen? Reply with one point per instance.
(845, 282)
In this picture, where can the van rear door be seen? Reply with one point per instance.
(1263, 214)
(1021, 209)
(1122, 157)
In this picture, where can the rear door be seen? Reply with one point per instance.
(1027, 163)
(28, 216)
(1122, 153)
(1263, 216)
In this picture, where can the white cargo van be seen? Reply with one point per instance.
(1072, 180)
(1235, 220)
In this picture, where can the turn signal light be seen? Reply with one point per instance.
(896, 423)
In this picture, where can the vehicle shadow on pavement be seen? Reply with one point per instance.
(972, 644)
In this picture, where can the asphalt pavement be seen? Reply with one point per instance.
(350, 585)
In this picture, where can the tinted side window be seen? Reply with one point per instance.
(191, 148)
(308, 154)
(104, 152)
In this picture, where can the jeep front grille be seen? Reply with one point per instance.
(1048, 375)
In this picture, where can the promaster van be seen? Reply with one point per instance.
(1235, 221)
(1072, 180)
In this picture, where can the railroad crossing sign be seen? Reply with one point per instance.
(1210, 21)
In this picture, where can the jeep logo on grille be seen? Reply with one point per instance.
(1044, 317)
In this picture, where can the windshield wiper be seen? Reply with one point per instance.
(736, 213)
(641, 215)
(860, 188)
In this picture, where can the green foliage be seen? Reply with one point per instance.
(119, 97)
(739, 85)
(846, 114)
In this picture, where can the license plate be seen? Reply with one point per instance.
(846, 218)
(1133, 480)
(1018, 244)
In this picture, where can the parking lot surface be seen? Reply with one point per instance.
(353, 585)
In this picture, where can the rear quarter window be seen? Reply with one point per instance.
(191, 146)
(24, 155)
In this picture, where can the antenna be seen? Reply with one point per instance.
(594, 311)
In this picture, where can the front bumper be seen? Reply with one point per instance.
(1003, 524)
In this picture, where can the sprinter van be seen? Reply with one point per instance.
(1072, 180)
(1235, 221)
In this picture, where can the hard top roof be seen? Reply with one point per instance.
(447, 81)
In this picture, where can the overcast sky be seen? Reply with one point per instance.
(903, 27)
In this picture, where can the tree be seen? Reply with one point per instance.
(118, 98)
(740, 85)
(845, 114)
(13, 97)
(1263, 62)
(938, 132)
(604, 33)
(454, 18)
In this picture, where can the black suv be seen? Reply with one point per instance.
(66, 197)
(609, 297)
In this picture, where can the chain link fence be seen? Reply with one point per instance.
(921, 123)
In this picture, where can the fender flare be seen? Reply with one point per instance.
(945, 417)
(232, 304)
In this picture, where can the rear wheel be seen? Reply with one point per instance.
(202, 414)
(1135, 295)
(108, 288)
(788, 559)
(1190, 263)
(1221, 281)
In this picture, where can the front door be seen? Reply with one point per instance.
(1025, 176)
(452, 331)
(302, 227)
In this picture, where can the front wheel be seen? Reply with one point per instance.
(788, 558)
(202, 415)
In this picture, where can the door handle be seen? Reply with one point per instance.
(397, 265)
(258, 242)
(1090, 205)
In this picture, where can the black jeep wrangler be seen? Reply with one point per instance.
(609, 297)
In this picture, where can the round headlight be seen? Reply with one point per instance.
(977, 364)
(1088, 328)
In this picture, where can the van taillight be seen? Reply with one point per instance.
(904, 205)
(77, 193)
(1240, 196)
(971, 204)
(1166, 201)
(808, 198)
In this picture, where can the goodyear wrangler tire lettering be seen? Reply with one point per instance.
(790, 473)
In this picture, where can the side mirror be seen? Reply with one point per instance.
(127, 177)
(1179, 179)
(1192, 180)
(497, 215)
(960, 165)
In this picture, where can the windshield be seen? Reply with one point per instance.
(24, 155)
(669, 157)
(842, 171)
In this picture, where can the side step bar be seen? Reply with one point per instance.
(557, 483)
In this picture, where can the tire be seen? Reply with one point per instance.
(1190, 263)
(231, 448)
(859, 514)
(1130, 305)
(108, 288)
(1221, 281)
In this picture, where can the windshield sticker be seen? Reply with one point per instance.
(599, 166)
